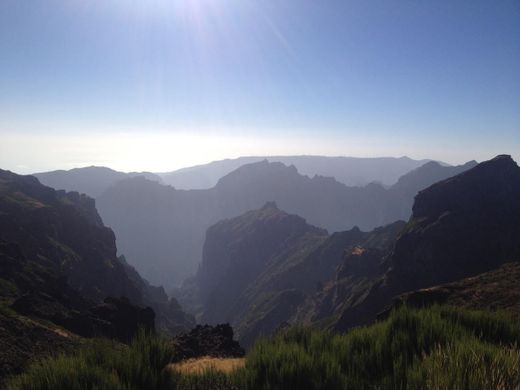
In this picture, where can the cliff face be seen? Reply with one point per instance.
(460, 227)
(64, 232)
(245, 277)
(53, 238)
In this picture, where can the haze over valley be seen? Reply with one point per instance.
(161, 230)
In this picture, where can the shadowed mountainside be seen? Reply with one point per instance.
(54, 238)
(460, 227)
(257, 277)
(63, 232)
(166, 226)
(493, 290)
(258, 269)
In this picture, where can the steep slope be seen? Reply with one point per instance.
(264, 268)
(244, 263)
(359, 264)
(64, 231)
(92, 181)
(166, 226)
(352, 171)
(465, 225)
(460, 227)
(60, 235)
(40, 248)
(492, 290)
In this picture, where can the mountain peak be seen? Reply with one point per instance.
(270, 205)
(472, 187)
(505, 157)
(258, 170)
(500, 162)
(467, 223)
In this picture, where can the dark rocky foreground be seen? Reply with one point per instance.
(207, 340)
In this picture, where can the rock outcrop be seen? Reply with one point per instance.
(207, 340)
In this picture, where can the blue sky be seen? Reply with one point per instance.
(158, 84)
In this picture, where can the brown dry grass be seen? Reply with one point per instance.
(199, 365)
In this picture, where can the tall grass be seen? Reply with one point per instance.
(436, 348)
(103, 364)
(440, 346)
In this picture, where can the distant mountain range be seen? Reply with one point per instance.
(267, 267)
(351, 171)
(92, 181)
(161, 230)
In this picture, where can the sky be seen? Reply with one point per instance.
(162, 84)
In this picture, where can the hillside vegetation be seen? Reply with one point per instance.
(487, 291)
(437, 348)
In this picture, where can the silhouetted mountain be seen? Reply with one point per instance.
(92, 181)
(420, 178)
(161, 229)
(263, 268)
(460, 227)
(352, 171)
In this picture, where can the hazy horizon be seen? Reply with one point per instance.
(162, 85)
(23, 172)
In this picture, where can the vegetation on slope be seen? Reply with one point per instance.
(437, 348)
(488, 291)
